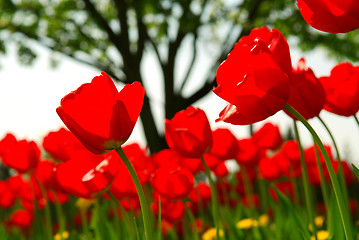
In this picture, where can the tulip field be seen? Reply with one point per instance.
(84, 181)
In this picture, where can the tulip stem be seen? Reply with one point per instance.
(323, 184)
(141, 195)
(340, 170)
(356, 120)
(46, 208)
(336, 187)
(215, 207)
(305, 178)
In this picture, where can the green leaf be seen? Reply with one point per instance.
(300, 225)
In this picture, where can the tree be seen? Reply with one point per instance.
(114, 35)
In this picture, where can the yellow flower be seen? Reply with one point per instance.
(210, 234)
(247, 223)
(65, 235)
(263, 220)
(84, 204)
(319, 220)
(321, 235)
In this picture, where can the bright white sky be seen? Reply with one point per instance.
(29, 97)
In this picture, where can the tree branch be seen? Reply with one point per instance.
(45, 43)
(190, 67)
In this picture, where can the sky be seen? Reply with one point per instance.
(30, 95)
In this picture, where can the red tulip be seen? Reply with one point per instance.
(189, 133)
(172, 182)
(7, 196)
(253, 79)
(99, 116)
(70, 174)
(139, 160)
(307, 94)
(60, 144)
(276, 43)
(99, 178)
(171, 211)
(6, 143)
(221, 170)
(310, 155)
(342, 89)
(248, 152)
(269, 169)
(123, 186)
(201, 194)
(268, 137)
(169, 156)
(225, 145)
(330, 15)
(211, 161)
(21, 218)
(45, 172)
(22, 156)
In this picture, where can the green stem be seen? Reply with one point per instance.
(263, 192)
(141, 195)
(336, 187)
(159, 229)
(305, 179)
(215, 207)
(340, 169)
(85, 224)
(126, 217)
(356, 119)
(59, 213)
(323, 185)
(46, 208)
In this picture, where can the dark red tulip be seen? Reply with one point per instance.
(189, 133)
(307, 94)
(99, 116)
(251, 201)
(23, 156)
(60, 144)
(268, 136)
(225, 144)
(342, 90)
(253, 79)
(330, 15)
